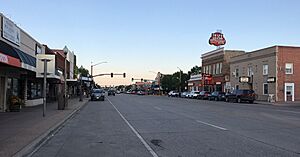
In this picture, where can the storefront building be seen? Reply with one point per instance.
(195, 83)
(17, 66)
(271, 72)
(216, 69)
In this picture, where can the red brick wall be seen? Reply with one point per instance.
(288, 55)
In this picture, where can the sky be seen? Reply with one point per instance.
(139, 36)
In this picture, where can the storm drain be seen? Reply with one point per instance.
(157, 142)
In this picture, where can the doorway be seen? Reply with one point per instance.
(289, 92)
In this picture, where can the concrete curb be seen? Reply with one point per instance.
(32, 147)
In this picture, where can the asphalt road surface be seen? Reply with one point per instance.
(151, 126)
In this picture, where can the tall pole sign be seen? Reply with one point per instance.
(217, 39)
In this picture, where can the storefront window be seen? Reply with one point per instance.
(34, 90)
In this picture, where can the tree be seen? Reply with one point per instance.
(195, 70)
(84, 72)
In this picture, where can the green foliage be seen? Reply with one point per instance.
(84, 72)
(172, 82)
(195, 70)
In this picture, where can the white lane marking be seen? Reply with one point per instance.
(157, 108)
(135, 132)
(288, 111)
(218, 127)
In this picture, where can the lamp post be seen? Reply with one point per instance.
(92, 65)
(65, 77)
(80, 88)
(179, 80)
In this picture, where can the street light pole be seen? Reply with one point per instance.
(179, 80)
(92, 65)
(65, 78)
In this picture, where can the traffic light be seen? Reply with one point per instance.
(111, 74)
(132, 79)
(142, 80)
(124, 75)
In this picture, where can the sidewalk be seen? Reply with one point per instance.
(288, 104)
(21, 131)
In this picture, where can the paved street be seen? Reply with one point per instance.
(150, 126)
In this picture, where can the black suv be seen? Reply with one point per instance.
(217, 96)
(241, 95)
(111, 92)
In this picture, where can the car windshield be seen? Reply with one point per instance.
(97, 91)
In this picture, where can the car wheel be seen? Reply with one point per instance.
(251, 101)
(216, 99)
(226, 99)
(238, 100)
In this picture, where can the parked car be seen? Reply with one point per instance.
(184, 94)
(111, 92)
(241, 95)
(128, 92)
(203, 95)
(141, 93)
(118, 92)
(217, 96)
(97, 94)
(173, 94)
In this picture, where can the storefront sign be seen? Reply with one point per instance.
(244, 79)
(218, 82)
(10, 31)
(271, 79)
(217, 39)
(9, 60)
(190, 84)
(3, 58)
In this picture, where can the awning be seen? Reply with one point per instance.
(28, 62)
(8, 50)
(26, 58)
(8, 55)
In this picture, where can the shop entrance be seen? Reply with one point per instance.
(2, 94)
(289, 92)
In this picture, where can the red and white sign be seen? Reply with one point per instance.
(217, 39)
(9, 60)
(3, 58)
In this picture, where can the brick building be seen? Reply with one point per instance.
(195, 82)
(269, 72)
(216, 69)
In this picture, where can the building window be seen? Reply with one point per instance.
(237, 87)
(220, 67)
(209, 69)
(214, 69)
(265, 89)
(288, 68)
(236, 72)
(34, 90)
(250, 71)
(265, 69)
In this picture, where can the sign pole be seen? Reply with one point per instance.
(45, 86)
